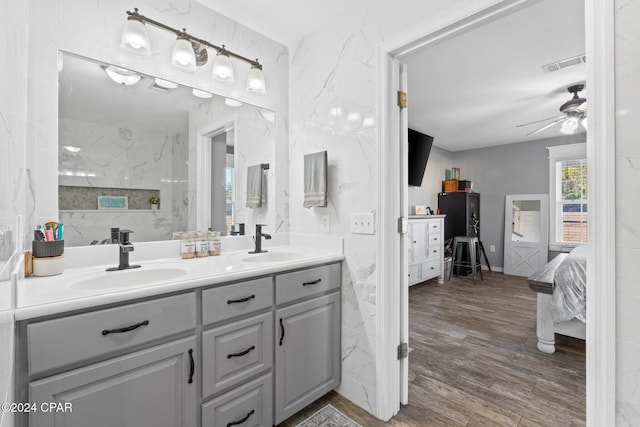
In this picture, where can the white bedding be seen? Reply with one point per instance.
(570, 292)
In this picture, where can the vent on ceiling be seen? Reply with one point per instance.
(564, 63)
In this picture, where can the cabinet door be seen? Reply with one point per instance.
(307, 353)
(147, 388)
(419, 241)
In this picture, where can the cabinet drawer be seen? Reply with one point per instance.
(235, 352)
(430, 269)
(434, 226)
(63, 341)
(248, 405)
(434, 252)
(226, 302)
(300, 284)
(434, 239)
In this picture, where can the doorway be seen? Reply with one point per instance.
(600, 331)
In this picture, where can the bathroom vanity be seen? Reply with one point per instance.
(233, 341)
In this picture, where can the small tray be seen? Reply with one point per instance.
(42, 249)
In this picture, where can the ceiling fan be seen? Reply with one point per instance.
(574, 113)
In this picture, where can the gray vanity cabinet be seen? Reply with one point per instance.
(146, 388)
(307, 352)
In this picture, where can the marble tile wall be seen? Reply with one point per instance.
(333, 107)
(627, 57)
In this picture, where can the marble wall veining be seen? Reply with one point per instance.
(627, 80)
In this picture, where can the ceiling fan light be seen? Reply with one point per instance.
(222, 68)
(183, 55)
(569, 126)
(122, 75)
(255, 80)
(584, 123)
(135, 38)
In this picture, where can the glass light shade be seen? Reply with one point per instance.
(255, 81)
(183, 55)
(135, 38)
(584, 123)
(122, 75)
(222, 68)
(166, 84)
(229, 102)
(569, 126)
(201, 93)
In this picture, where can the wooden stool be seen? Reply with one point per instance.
(473, 247)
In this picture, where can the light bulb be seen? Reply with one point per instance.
(255, 80)
(569, 126)
(222, 68)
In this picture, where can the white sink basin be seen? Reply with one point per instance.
(146, 275)
(272, 257)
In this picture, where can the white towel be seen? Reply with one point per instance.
(255, 187)
(315, 179)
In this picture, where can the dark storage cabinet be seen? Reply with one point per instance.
(463, 211)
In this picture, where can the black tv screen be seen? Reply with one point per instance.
(419, 149)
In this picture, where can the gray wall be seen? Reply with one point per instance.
(496, 172)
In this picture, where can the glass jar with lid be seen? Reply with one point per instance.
(214, 242)
(187, 245)
(202, 244)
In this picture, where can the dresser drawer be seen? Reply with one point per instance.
(248, 405)
(304, 283)
(430, 269)
(235, 352)
(434, 226)
(226, 302)
(58, 342)
(434, 251)
(435, 239)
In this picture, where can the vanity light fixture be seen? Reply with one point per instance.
(230, 102)
(122, 75)
(190, 52)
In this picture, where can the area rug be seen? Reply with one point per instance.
(328, 417)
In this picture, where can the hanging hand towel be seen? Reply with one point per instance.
(315, 179)
(255, 195)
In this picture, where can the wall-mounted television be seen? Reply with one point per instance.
(419, 149)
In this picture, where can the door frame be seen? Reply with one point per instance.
(599, 40)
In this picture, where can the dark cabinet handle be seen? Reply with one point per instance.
(315, 282)
(236, 301)
(127, 329)
(281, 331)
(192, 366)
(242, 353)
(235, 423)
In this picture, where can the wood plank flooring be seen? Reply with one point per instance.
(474, 361)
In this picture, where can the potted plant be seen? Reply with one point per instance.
(154, 201)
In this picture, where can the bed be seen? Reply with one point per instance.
(561, 299)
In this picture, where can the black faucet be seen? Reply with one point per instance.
(258, 239)
(121, 237)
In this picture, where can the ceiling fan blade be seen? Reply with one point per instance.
(539, 121)
(545, 127)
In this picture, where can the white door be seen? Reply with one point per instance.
(526, 219)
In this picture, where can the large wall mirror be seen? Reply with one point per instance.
(126, 138)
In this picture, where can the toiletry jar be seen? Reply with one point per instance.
(51, 248)
(49, 266)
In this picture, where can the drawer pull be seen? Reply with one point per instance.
(235, 423)
(315, 282)
(236, 301)
(192, 366)
(242, 353)
(127, 329)
(281, 331)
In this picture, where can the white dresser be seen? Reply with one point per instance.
(426, 248)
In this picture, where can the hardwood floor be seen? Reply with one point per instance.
(474, 361)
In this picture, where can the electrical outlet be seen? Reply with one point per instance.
(363, 223)
(325, 223)
(492, 248)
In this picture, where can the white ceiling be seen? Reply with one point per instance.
(469, 91)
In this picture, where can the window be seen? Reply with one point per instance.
(568, 195)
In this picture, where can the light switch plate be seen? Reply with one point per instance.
(363, 223)
(325, 223)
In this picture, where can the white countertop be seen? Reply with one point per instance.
(80, 287)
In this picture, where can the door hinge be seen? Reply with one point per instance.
(402, 99)
(402, 225)
(403, 350)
